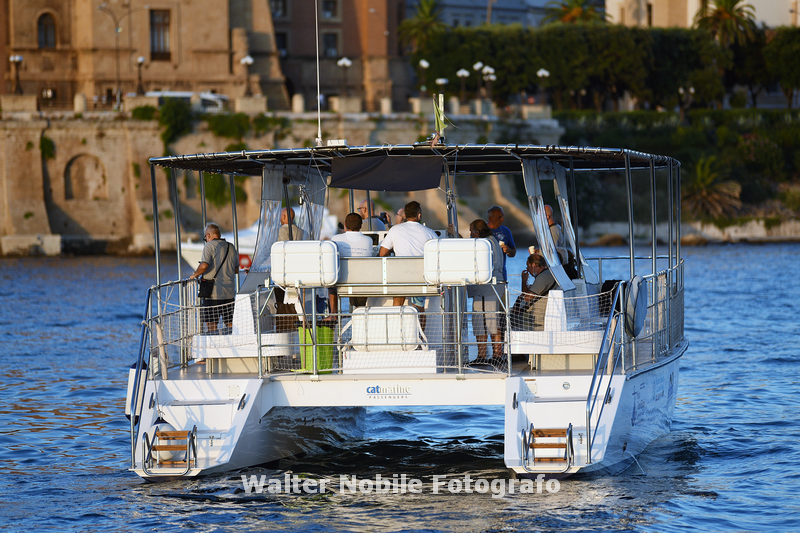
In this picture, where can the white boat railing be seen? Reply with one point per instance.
(383, 339)
(601, 370)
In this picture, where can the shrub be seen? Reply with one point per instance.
(175, 117)
(145, 112)
(218, 190)
(229, 126)
(47, 147)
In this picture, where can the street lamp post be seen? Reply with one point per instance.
(477, 68)
(685, 100)
(488, 77)
(542, 74)
(424, 66)
(140, 87)
(463, 74)
(441, 82)
(117, 30)
(344, 64)
(16, 60)
(247, 61)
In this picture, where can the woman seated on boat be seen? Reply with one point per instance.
(486, 317)
(528, 311)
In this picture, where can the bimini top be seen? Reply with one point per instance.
(410, 167)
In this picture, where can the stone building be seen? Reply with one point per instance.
(364, 31)
(680, 13)
(85, 46)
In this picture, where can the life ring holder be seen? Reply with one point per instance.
(635, 305)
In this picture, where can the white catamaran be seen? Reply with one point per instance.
(589, 377)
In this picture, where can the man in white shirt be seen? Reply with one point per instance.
(353, 243)
(408, 240)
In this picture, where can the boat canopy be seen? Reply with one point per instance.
(413, 168)
(460, 159)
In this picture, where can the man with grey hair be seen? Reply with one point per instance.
(220, 258)
(496, 216)
(367, 211)
(400, 216)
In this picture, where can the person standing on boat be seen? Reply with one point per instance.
(287, 216)
(220, 258)
(555, 230)
(408, 240)
(377, 223)
(485, 302)
(496, 217)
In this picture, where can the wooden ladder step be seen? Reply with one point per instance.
(168, 447)
(173, 464)
(561, 445)
(549, 433)
(550, 460)
(172, 435)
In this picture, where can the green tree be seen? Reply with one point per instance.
(706, 195)
(751, 67)
(620, 67)
(418, 30)
(729, 21)
(781, 53)
(572, 12)
(175, 117)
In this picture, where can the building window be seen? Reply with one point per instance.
(47, 31)
(282, 43)
(159, 35)
(330, 9)
(278, 8)
(649, 15)
(330, 44)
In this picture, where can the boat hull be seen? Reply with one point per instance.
(644, 413)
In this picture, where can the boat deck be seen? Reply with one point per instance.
(519, 368)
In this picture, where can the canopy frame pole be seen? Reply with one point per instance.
(629, 187)
(156, 238)
(369, 212)
(203, 215)
(289, 218)
(573, 199)
(235, 226)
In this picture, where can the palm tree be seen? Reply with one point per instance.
(705, 195)
(729, 21)
(572, 11)
(417, 30)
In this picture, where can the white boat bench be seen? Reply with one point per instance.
(238, 352)
(578, 347)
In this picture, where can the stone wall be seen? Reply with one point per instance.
(88, 190)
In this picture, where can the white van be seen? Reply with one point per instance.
(208, 102)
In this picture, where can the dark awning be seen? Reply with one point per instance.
(387, 173)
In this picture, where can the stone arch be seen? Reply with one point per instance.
(85, 179)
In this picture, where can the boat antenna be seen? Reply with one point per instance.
(318, 140)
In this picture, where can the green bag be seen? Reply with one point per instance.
(325, 349)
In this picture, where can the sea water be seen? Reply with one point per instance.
(69, 330)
